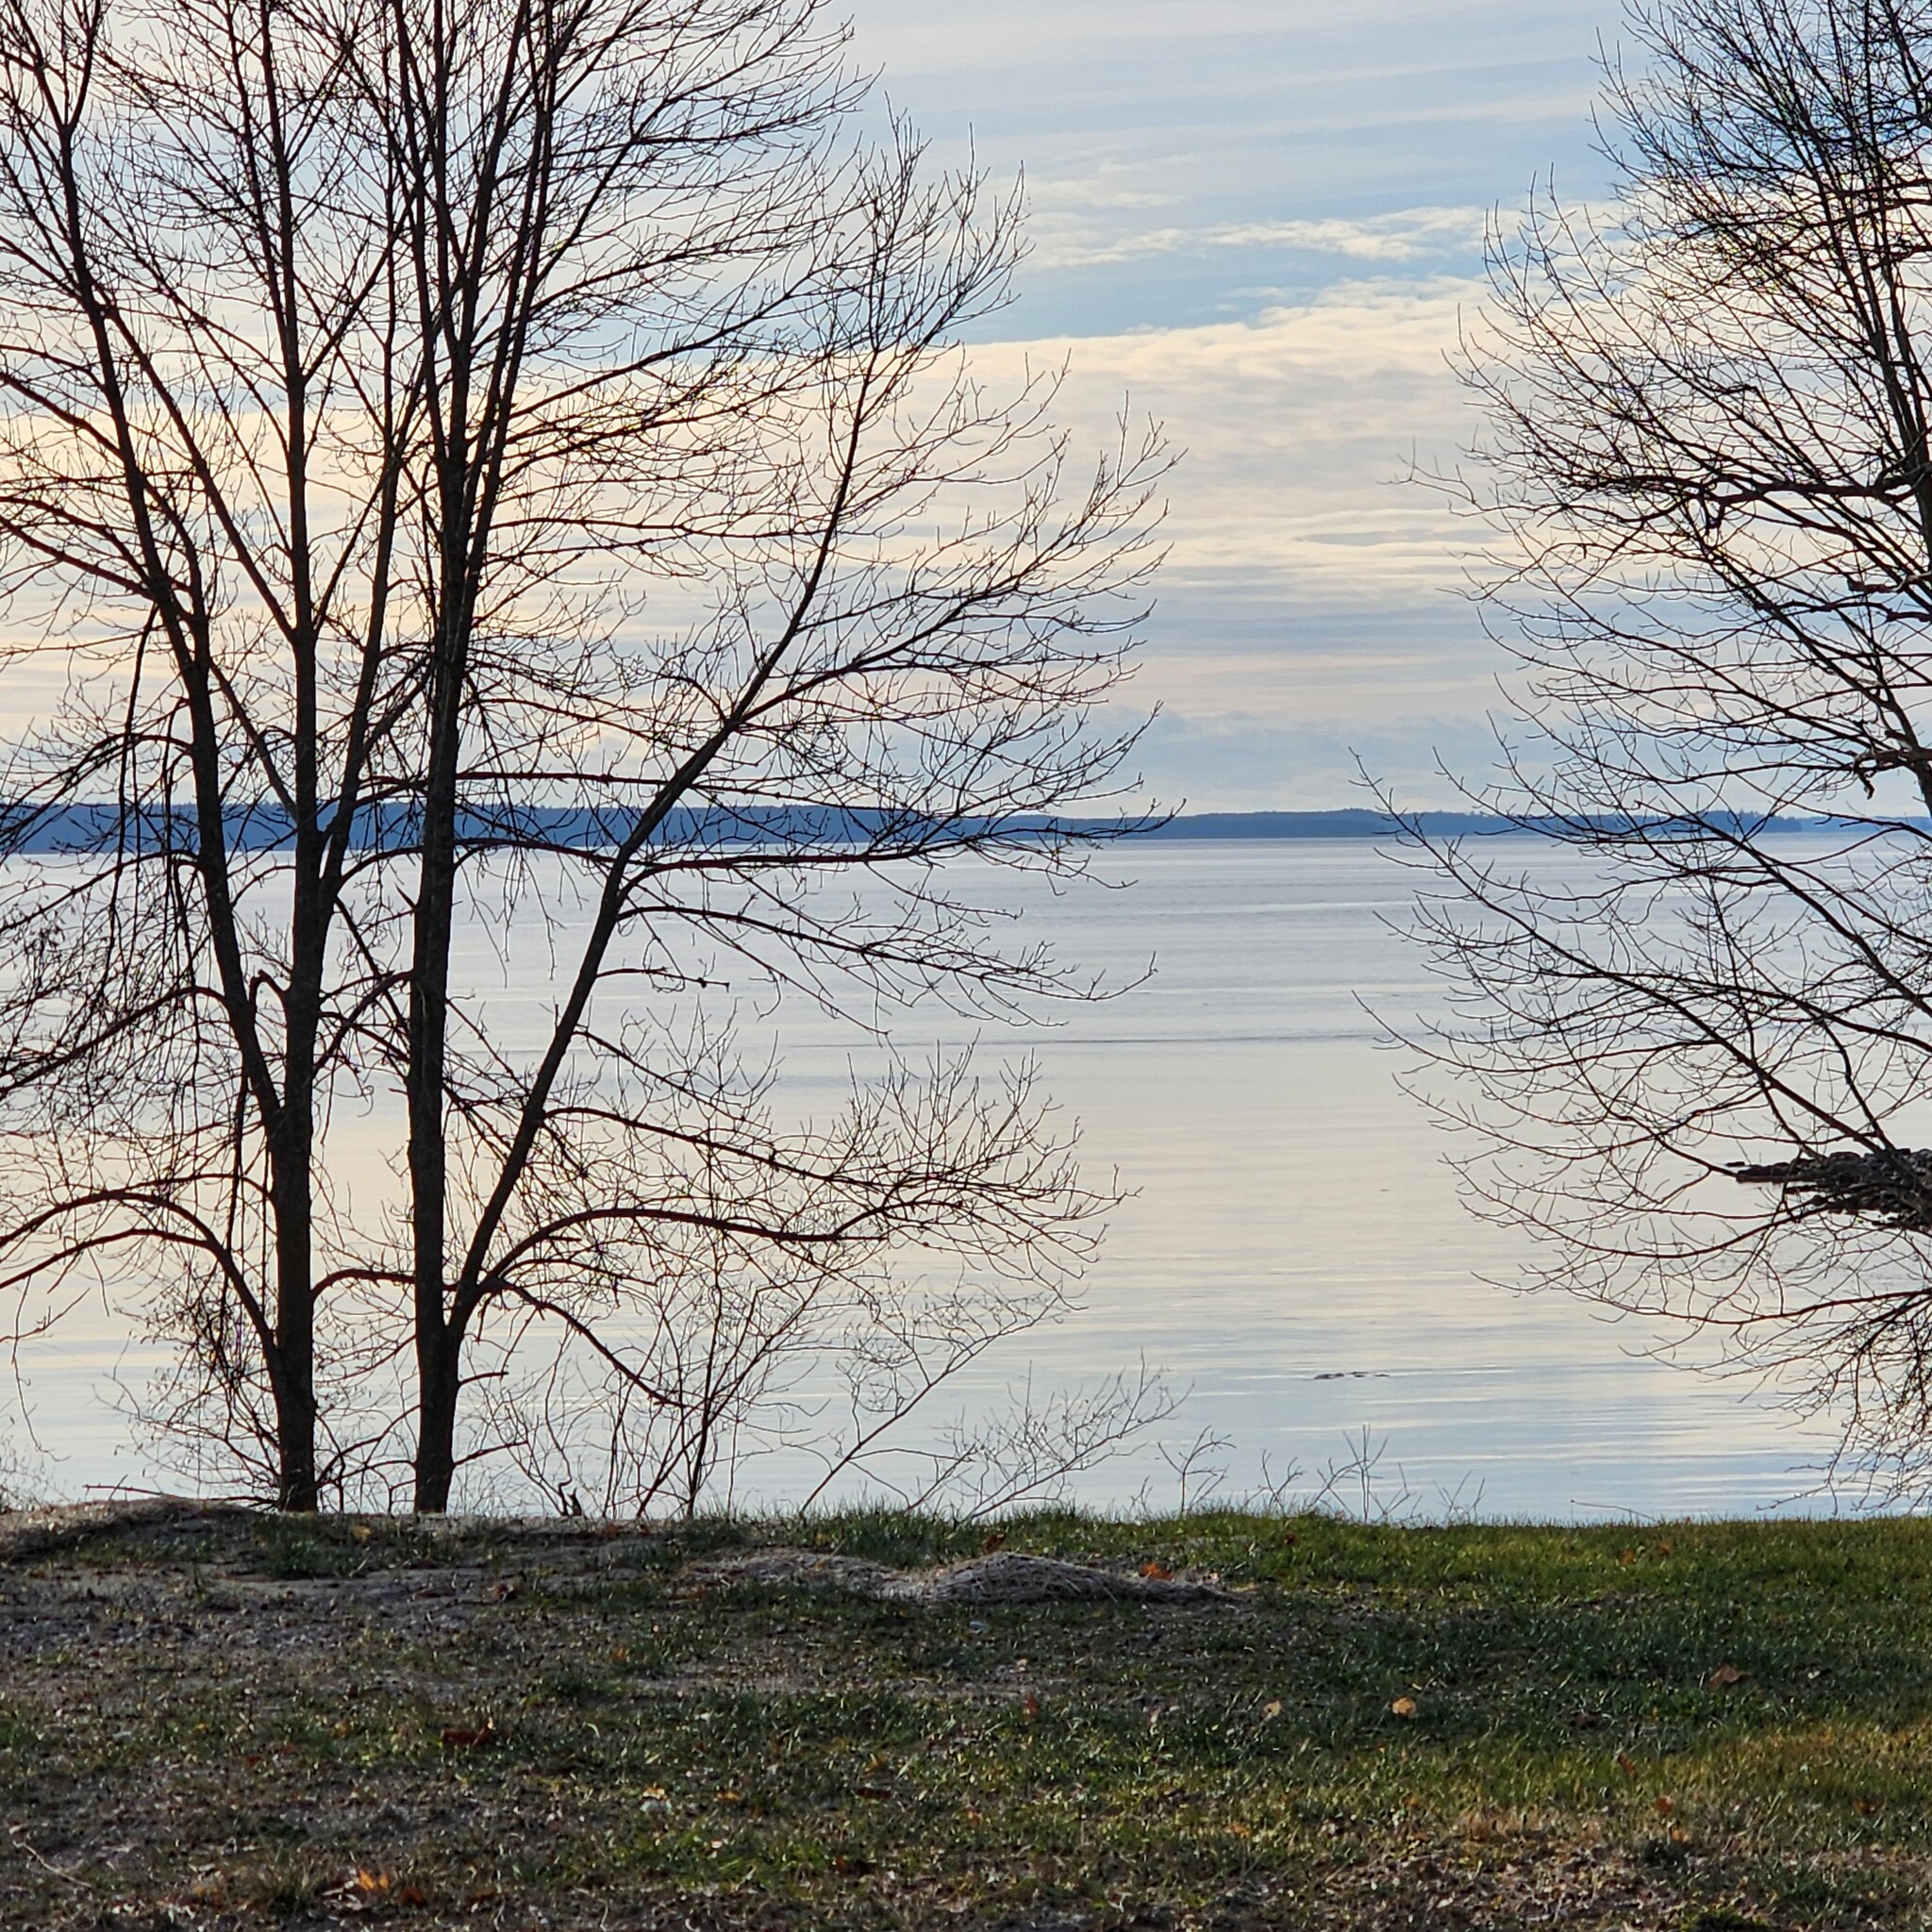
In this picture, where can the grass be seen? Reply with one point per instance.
(239, 1720)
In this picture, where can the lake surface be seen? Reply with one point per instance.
(1295, 1253)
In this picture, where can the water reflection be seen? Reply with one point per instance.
(1294, 1248)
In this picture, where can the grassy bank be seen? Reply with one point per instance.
(226, 1721)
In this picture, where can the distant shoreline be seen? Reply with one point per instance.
(1361, 823)
(1352, 823)
(81, 828)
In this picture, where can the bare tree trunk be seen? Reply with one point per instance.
(436, 1347)
(293, 1357)
(429, 981)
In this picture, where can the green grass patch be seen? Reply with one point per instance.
(1696, 1724)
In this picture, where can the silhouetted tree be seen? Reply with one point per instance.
(505, 466)
(1701, 1046)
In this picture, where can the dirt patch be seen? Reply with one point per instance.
(1007, 1576)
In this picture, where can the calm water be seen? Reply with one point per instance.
(1295, 1253)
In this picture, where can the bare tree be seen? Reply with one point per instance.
(507, 462)
(1699, 1043)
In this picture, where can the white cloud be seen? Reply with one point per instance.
(1406, 235)
(1312, 600)
(1298, 430)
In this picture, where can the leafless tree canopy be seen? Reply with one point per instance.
(1700, 1049)
(506, 465)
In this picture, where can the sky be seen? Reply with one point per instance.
(1260, 222)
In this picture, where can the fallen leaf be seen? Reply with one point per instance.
(1626, 1764)
(1271, 1710)
(1404, 1707)
(412, 1895)
(1663, 1807)
(621, 1654)
(1157, 1570)
(463, 1738)
(1726, 1676)
(1031, 1706)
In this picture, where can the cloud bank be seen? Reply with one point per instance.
(1313, 603)
(1261, 223)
